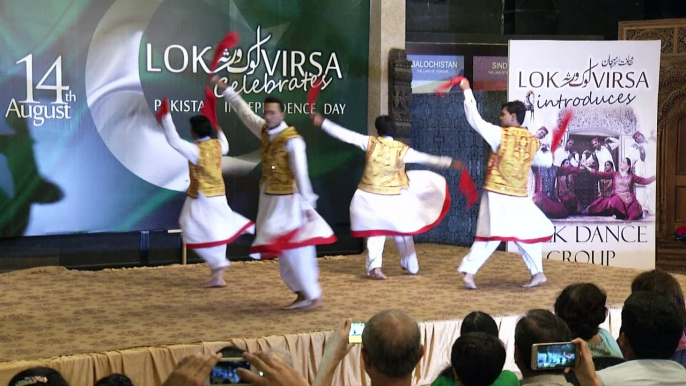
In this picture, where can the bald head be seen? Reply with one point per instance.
(392, 341)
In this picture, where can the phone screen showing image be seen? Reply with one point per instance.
(355, 335)
(225, 372)
(555, 356)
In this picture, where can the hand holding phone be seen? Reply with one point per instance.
(225, 372)
(355, 335)
(554, 356)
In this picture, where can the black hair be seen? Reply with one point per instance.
(652, 324)
(385, 126)
(582, 307)
(478, 321)
(273, 99)
(517, 108)
(114, 380)
(662, 283)
(39, 376)
(202, 127)
(477, 358)
(539, 326)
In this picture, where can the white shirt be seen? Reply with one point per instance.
(492, 133)
(603, 154)
(297, 156)
(362, 141)
(562, 154)
(644, 372)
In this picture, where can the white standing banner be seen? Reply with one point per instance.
(600, 191)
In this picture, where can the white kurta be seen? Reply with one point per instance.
(206, 222)
(423, 204)
(646, 168)
(562, 154)
(503, 217)
(603, 154)
(281, 221)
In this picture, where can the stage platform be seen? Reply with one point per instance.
(142, 321)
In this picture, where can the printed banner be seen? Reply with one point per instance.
(431, 71)
(600, 191)
(490, 73)
(80, 149)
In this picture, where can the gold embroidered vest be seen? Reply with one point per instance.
(508, 169)
(206, 176)
(384, 169)
(276, 172)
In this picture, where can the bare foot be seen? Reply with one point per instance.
(378, 274)
(536, 280)
(297, 303)
(314, 303)
(217, 279)
(468, 281)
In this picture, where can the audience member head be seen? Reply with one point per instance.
(385, 126)
(478, 321)
(537, 326)
(201, 127)
(582, 307)
(391, 346)
(512, 114)
(662, 283)
(651, 326)
(114, 380)
(570, 144)
(477, 359)
(231, 352)
(38, 376)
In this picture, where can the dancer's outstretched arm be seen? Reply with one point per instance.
(189, 150)
(490, 132)
(251, 120)
(341, 133)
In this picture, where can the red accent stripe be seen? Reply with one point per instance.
(221, 242)
(277, 248)
(382, 232)
(514, 239)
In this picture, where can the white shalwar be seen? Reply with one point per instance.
(645, 168)
(207, 223)
(282, 223)
(503, 217)
(418, 208)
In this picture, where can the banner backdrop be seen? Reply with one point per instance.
(600, 191)
(429, 72)
(80, 150)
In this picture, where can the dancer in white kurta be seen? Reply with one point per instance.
(207, 222)
(644, 155)
(287, 224)
(390, 201)
(506, 213)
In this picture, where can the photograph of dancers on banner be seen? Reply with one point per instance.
(604, 168)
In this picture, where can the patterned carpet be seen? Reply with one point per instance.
(51, 312)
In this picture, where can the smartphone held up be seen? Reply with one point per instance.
(554, 356)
